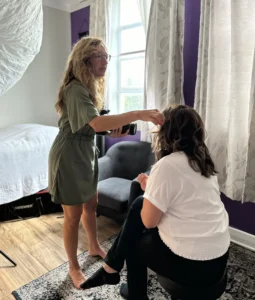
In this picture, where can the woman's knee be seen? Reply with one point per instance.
(138, 203)
(72, 214)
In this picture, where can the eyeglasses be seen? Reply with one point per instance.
(102, 56)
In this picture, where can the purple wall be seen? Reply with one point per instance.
(190, 51)
(79, 22)
(241, 216)
(111, 141)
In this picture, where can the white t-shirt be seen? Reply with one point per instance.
(195, 223)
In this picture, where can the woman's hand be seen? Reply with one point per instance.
(116, 133)
(152, 115)
(142, 179)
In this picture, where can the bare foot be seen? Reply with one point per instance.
(77, 277)
(98, 251)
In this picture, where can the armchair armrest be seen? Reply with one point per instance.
(105, 168)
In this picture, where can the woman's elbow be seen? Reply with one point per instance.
(95, 124)
(148, 224)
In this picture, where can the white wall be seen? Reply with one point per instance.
(32, 99)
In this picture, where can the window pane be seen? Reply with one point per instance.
(132, 39)
(129, 12)
(132, 72)
(130, 101)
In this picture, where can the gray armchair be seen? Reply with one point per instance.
(120, 166)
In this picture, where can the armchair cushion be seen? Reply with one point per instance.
(113, 193)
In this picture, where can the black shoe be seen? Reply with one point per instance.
(124, 292)
(101, 277)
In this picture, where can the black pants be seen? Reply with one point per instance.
(143, 248)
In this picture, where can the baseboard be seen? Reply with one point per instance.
(242, 238)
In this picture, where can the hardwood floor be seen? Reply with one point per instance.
(36, 245)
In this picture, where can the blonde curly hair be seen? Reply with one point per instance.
(78, 68)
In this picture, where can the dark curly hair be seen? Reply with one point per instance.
(184, 131)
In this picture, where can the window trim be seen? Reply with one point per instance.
(131, 53)
(130, 26)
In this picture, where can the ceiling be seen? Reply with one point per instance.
(66, 5)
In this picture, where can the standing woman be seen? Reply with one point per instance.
(73, 160)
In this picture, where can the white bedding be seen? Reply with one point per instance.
(24, 151)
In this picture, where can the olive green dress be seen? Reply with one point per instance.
(73, 158)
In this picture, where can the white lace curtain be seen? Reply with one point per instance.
(225, 92)
(21, 27)
(144, 8)
(104, 24)
(97, 22)
(164, 57)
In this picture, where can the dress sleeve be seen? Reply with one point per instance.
(80, 108)
(159, 187)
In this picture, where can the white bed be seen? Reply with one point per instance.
(24, 151)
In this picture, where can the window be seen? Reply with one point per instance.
(131, 57)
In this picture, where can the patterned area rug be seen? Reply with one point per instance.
(56, 284)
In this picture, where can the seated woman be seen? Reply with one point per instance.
(188, 240)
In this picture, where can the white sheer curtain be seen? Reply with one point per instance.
(97, 21)
(225, 92)
(144, 8)
(164, 57)
(112, 17)
(103, 23)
